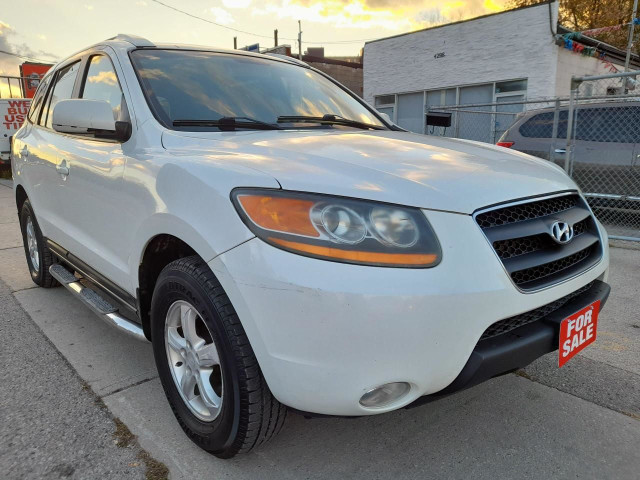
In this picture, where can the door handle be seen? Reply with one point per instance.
(63, 168)
(24, 153)
(560, 151)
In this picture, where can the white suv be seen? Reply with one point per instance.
(284, 246)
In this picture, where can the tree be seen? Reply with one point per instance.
(579, 15)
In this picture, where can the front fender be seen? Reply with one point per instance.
(190, 201)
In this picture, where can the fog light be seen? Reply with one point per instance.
(384, 394)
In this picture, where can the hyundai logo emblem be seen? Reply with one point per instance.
(562, 232)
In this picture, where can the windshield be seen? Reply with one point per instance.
(200, 85)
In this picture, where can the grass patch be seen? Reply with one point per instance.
(155, 470)
(123, 438)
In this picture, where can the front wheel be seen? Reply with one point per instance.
(39, 257)
(206, 365)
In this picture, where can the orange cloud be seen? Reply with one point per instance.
(393, 15)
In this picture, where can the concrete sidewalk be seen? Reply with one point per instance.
(578, 422)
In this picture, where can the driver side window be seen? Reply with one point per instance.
(101, 83)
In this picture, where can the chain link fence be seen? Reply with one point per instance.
(594, 134)
(603, 149)
(487, 122)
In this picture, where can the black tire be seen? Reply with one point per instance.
(249, 414)
(39, 273)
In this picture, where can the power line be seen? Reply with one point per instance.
(339, 42)
(210, 21)
(24, 57)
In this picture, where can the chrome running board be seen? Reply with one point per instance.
(98, 304)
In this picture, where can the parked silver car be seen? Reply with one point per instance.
(606, 156)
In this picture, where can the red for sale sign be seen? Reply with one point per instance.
(577, 332)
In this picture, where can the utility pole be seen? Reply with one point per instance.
(275, 37)
(235, 43)
(630, 40)
(300, 39)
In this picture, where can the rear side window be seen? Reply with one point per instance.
(38, 99)
(62, 90)
(541, 125)
(609, 124)
(101, 83)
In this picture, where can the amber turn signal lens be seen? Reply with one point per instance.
(377, 258)
(340, 229)
(288, 215)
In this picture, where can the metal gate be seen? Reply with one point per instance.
(603, 149)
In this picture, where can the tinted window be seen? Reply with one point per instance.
(609, 124)
(101, 83)
(541, 125)
(513, 86)
(38, 99)
(192, 85)
(385, 100)
(62, 90)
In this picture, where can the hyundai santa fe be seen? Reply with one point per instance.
(285, 247)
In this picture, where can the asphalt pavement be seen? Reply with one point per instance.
(581, 421)
(53, 425)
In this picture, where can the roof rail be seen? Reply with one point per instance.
(133, 40)
(287, 58)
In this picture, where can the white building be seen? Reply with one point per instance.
(498, 58)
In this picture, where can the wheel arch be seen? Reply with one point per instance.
(21, 197)
(159, 251)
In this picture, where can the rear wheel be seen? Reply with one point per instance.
(39, 257)
(207, 367)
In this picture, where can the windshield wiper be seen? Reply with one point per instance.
(328, 119)
(228, 123)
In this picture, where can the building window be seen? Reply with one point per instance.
(387, 110)
(410, 113)
(512, 86)
(480, 112)
(386, 104)
(385, 100)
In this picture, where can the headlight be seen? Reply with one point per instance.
(339, 229)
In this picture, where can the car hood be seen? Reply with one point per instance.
(396, 167)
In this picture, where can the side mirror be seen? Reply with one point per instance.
(80, 116)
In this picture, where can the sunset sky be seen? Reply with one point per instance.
(49, 30)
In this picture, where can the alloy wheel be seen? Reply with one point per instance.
(32, 245)
(194, 361)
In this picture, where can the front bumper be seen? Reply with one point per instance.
(519, 347)
(325, 333)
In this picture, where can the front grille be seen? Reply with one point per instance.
(513, 247)
(511, 323)
(525, 211)
(546, 269)
(521, 237)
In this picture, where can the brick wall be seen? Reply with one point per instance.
(350, 77)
